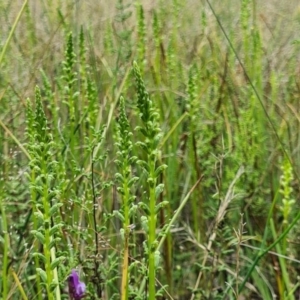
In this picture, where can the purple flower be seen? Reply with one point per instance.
(76, 287)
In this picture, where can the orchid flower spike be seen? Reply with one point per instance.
(76, 287)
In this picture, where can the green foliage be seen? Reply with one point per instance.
(125, 91)
(152, 135)
(44, 206)
(126, 180)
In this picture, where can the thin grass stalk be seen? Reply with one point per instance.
(264, 251)
(283, 266)
(6, 239)
(11, 33)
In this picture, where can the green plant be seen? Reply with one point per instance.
(151, 132)
(45, 206)
(88, 207)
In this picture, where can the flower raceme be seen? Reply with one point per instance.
(76, 287)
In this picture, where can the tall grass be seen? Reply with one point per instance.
(149, 150)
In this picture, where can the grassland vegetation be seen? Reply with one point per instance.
(149, 150)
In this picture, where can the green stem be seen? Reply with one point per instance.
(55, 275)
(266, 250)
(47, 226)
(5, 250)
(47, 243)
(283, 268)
(152, 229)
(4, 230)
(12, 31)
(174, 218)
(177, 213)
(35, 227)
(124, 287)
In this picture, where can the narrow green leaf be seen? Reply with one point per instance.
(56, 262)
(39, 236)
(40, 256)
(54, 209)
(56, 228)
(159, 189)
(160, 169)
(42, 274)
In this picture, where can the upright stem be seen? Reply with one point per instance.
(47, 226)
(152, 228)
(5, 250)
(124, 287)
